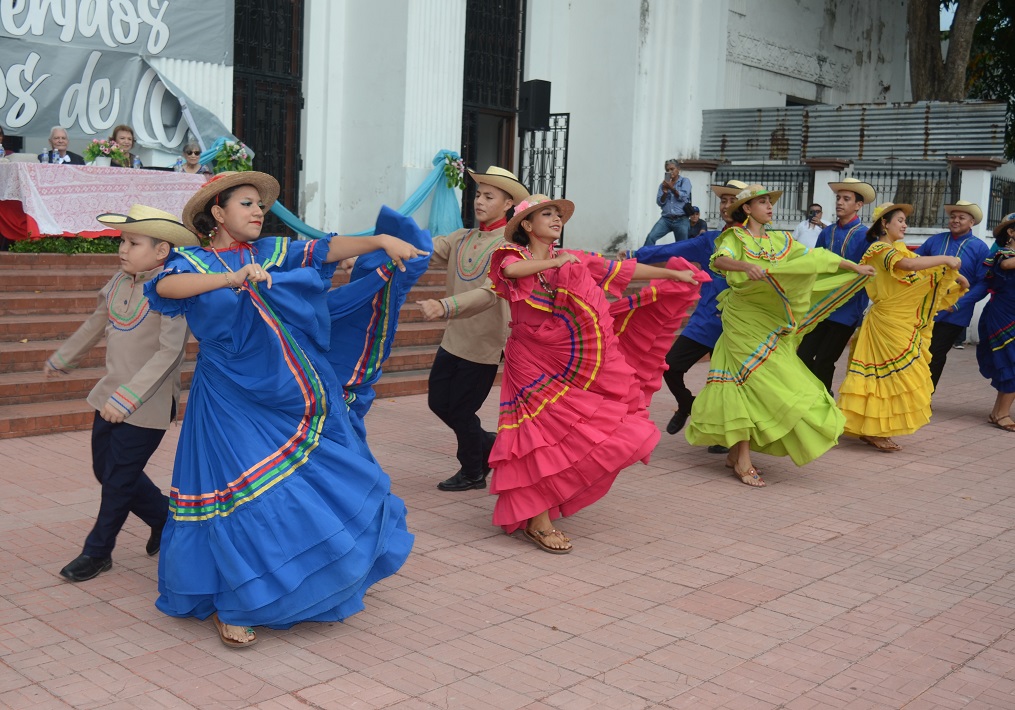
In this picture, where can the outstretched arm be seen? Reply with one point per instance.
(530, 267)
(728, 263)
(644, 271)
(400, 251)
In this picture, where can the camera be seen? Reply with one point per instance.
(811, 214)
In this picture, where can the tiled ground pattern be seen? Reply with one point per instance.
(863, 580)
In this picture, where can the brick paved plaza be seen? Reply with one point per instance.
(865, 580)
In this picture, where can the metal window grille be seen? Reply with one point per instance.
(928, 189)
(1002, 200)
(795, 181)
(544, 158)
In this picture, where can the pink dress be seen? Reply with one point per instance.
(579, 374)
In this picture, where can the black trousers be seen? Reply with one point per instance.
(941, 341)
(820, 349)
(681, 357)
(119, 454)
(457, 390)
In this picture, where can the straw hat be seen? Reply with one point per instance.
(267, 187)
(973, 210)
(150, 222)
(1007, 221)
(732, 187)
(535, 202)
(865, 190)
(752, 191)
(504, 179)
(886, 207)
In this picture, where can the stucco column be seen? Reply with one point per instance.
(826, 170)
(700, 173)
(974, 186)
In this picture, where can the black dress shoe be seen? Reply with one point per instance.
(677, 421)
(716, 449)
(83, 568)
(154, 541)
(461, 482)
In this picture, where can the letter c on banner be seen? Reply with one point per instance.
(150, 84)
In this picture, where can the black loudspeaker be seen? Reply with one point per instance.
(534, 106)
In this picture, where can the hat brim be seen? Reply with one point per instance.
(861, 188)
(721, 190)
(566, 208)
(773, 196)
(512, 187)
(1000, 229)
(905, 208)
(267, 187)
(167, 230)
(972, 210)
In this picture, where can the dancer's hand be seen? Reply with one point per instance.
(865, 270)
(953, 262)
(753, 271)
(565, 258)
(254, 273)
(49, 371)
(347, 265)
(399, 250)
(432, 309)
(113, 415)
(963, 282)
(684, 275)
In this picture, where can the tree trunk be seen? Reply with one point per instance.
(931, 75)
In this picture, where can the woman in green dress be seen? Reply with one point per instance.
(759, 395)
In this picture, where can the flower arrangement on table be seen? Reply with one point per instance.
(232, 156)
(104, 148)
(454, 172)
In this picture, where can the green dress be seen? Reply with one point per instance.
(758, 390)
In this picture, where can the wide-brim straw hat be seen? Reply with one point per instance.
(751, 192)
(732, 187)
(1007, 221)
(864, 189)
(533, 203)
(970, 208)
(267, 187)
(504, 179)
(150, 222)
(886, 207)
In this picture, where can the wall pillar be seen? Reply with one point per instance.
(826, 170)
(701, 174)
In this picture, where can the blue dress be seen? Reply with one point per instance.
(278, 511)
(995, 353)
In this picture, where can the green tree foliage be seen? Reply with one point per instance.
(991, 71)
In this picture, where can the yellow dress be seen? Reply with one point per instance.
(887, 388)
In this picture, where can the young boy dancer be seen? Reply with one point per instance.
(466, 364)
(137, 398)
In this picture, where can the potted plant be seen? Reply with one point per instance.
(102, 151)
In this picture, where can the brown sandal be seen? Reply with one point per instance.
(220, 626)
(750, 477)
(998, 422)
(883, 444)
(539, 538)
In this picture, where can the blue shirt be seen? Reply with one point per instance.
(674, 200)
(972, 251)
(850, 242)
(705, 324)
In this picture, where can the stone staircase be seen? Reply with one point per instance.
(45, 297)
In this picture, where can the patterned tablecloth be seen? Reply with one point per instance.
(64, 199)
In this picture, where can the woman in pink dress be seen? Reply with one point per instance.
(579, 372)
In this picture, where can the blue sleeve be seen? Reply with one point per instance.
(684, 188)
(825, 238)
(977, 276)
(924, 249)
(177, 263)
(659, 196)
(699, 250)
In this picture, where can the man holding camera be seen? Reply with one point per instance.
(674, 197)
(807, 232)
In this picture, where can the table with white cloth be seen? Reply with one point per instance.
(62, 200)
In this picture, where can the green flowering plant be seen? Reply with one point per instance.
(454, 172)
(232, 156)
(104, 148)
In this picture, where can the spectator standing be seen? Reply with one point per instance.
(807, 232)
(673, 194)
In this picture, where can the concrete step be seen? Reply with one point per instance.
(51, 417)
(29, 387)
(30, 356)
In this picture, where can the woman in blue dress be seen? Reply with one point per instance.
(278, 511)
(996, 352)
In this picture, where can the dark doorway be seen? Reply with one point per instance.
(494, 42)
(267, 97)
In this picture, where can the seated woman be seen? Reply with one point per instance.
(58, 153)
(887, 388)
(996, 352)
(123, 136)
(188, 162)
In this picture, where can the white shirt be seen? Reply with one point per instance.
(807, 234)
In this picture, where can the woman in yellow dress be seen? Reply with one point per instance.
(887, 388)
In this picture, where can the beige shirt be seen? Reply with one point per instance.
(144, 352)
(479, 319)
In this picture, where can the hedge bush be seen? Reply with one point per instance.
(66, 245)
